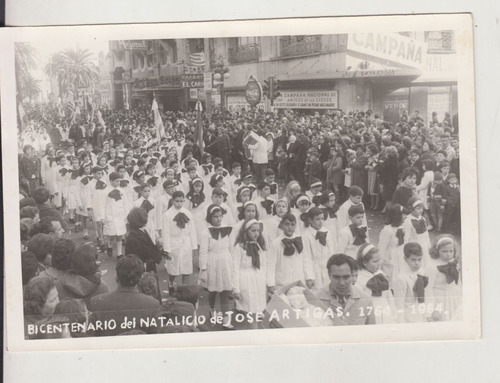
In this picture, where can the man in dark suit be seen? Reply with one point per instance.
(29, 168)
(126, 306)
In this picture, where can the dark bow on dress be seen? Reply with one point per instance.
(359, 234)
(196, 199)
(146, 205)
(419, 287)
(207, 168)
(451, 272)
(253, 252)
(291, 244)
(268, 205)
(100, 185)
(330, 212)
(419, 225)
(181, 219)
(63, 171)
(217, 232)
(321, 237)
(85, 180)
(377, 284)
(274, 188)
(115, 194)
(400, 235)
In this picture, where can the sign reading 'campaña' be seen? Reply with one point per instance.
(389, 47)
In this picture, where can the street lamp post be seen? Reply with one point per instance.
(220, 74)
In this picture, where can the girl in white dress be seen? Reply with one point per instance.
(263, 201)
(288, 260)
(197, 203)
(248, 212)
(415, 228)
(320, 245)
(272, 223)
(373, 282)
(85, 197)
(216, 261)
(292, 191)
(115, 216)
(409, 287)
(148, 203)
(62, 177)
(180, 241)
(98, 195)
(303, 204)
(327, 204)
(425, 186)
(243, 195)
(48, 170)
(391, 243)
(445, 282)
(249, 277)
(74, 201)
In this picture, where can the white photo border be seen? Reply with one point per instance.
(469, 328)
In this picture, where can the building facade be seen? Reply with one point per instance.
(388, 73)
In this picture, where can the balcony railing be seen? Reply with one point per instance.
(244, 53)
(290, 47)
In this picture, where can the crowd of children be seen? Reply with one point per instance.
(245, 232)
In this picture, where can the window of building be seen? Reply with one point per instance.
(248, 40)
(440, 41)
(196, 45)
(299, 45)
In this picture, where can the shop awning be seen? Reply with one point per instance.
(385, 74)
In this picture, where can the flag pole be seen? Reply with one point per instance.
(199, 127)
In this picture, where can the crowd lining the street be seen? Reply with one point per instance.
(269, 206)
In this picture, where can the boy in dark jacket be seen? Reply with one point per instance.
(451, 219)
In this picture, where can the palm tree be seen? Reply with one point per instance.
(26, 58)
(73, 69)
(30, 87)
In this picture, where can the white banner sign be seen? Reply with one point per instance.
(307, 99)
(392, 47)
(239, 103)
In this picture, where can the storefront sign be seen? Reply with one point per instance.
(137, 45)
(191, 69)
(170, 81)
(253, 92)
(196, 94)
(235, 102)
(192, 80)
(396, 105)
(321, 99)
(392, 47)
(145, 83)
(441, 63)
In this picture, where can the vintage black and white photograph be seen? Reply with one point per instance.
(208, 183)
